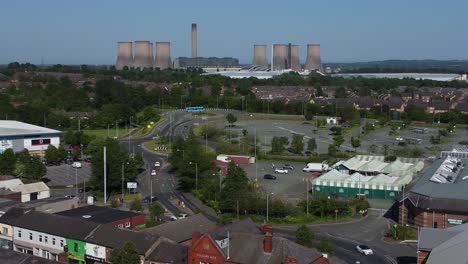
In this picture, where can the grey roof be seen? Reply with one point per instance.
(14, 257)
(455, 190)
(452, 246)
(169, 252)
(182, 230)
(430, 238)
(10, 128)
(98, 214)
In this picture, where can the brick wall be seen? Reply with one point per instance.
(422, 256)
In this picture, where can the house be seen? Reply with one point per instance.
(443, 245)
(181, 231)
(107, 215)
(438, 106)
(32, 191)
(244, 242)
(462, 107)
(168, 252)
(13, 257)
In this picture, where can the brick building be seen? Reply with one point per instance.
(107, 215)
(439, 198)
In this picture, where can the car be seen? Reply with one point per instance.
(69, 196)
(76, 164)
(173, 218)
(269, 177)
(153, 172)
(399, 139)
(288, 167)
(157, 164)
(45, 180)
(86, 189)
(363, 249)
(182, 216)
(281, 171)
(147, 199)
(87, 159)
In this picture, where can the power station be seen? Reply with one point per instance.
(124, 55)
(313, 61)
(163, 55)
(260, 55)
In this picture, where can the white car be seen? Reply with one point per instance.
(182, 216)
(76, 164)
(399, 139)
(363, 249)
(281, 171)
(153, 172)
(173, 218)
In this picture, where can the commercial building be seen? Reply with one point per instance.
(244, 242)
(443, 246)
(15, 190)
(439, 199)
(368, 176)
(19, 136)
(107, 215)
(201, 62)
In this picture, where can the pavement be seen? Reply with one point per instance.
(64, 175)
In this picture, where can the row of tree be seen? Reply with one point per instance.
(24, 165)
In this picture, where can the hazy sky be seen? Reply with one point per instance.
(86, 31)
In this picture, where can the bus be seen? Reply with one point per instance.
(195, 109)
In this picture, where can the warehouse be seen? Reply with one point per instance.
(19, 136)
(367, 176)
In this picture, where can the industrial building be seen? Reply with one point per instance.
(313, 61)
(143, 55)
(367, 176)
(211, 62)
(439, 199)
(260, 55)
(163, 55)
(19, 136)
(124, 55)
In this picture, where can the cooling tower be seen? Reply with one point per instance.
(194, 40)
(124, 55)
(313, 57)
(260, 55)
(163, 55)
(280, 56)
(143, 54)
(294, 58)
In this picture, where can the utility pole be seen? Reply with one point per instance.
(76, 181)
(122, 181)
(268, 196)
(105, 177)
(307, 197)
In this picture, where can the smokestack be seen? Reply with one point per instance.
(313, 57)
(124, 55)
(294, 58)
(280, 59)
(288, 64)
(194, 40)
(163, 55)
(260, 55)
(143, 54)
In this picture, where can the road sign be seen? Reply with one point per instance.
(132, 185)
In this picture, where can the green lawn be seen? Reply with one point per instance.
(103, 133)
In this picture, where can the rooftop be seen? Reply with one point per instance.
(445, 245)
(10, 128)
(98, 214)
(30, 188)
(14, 257)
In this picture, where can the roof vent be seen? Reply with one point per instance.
(86, 216)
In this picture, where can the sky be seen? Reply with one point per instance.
(87, 31)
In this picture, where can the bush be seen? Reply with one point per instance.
(325, 246)
(390, 158)
(401, 232)
(135, 205)
(463, 142)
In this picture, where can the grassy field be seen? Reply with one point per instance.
(104, 133)
(143, 132)
(151, 144)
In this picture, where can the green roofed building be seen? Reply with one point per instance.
(368, 176)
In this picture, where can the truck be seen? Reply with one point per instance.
(315, 167)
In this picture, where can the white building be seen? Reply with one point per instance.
(37, 243)
(19, 136)
(32, 191)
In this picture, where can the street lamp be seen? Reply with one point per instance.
(196, 174)
(395, 230)
(183, 152)
(336, 215)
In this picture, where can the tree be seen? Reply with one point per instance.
(231, 119)
(126, 255)
(338, 140)
(24, 156)
(35, 169)
(332, 150)
(155, 210)
(297, 143)
(385, 150)
(244, 132)
(336, 130)
(325, 246)
(304, 236)
(278, 144)
(234, 188)
(372, 148)
(135, 205)
(311, 145)
(7, 162)
(355, 142)
(52, 154)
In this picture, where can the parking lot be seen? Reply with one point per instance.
(64, 175)
(291, 186)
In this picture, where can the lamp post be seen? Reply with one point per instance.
(395, 230)
(336, 215)
(196, 174)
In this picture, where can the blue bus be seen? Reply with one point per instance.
(195, 109)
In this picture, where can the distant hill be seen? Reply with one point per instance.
(430, 66)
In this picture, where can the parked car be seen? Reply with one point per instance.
(87, 159)
(182, 216)
(173, 218)
(86, 189)
(147, 199)
(153, 172)
(69, 196)
(269, 177)
(288, 167)
(363, 249)
(281, 171)
(76, 164)
(157, 164)
(45, 180)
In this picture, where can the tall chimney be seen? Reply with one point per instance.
(260, 55)
(288, 64)
(194, 40)
(124, 55)
(313, 61)
(163, 55)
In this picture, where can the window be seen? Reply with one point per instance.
(127, 224)
(62, 243)
(75, 247)
(30, 236)
(19, 233)
(5, 231)
(40, 238)
(53, 241)
(46, 239)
